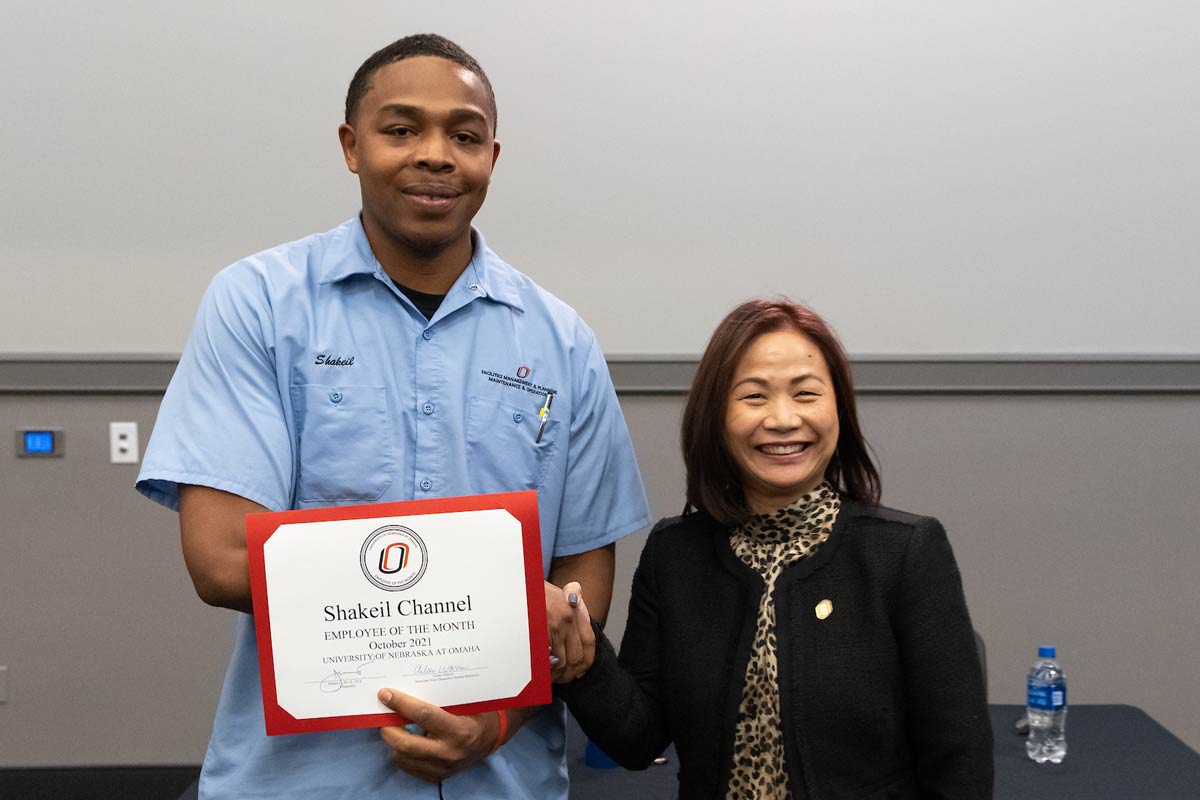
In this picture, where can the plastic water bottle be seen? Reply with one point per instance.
(1047, 709)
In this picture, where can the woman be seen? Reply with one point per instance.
(793, 638)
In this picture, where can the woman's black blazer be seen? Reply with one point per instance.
(883, 698)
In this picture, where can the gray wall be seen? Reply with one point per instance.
(111, 657)
(1073, 516)
(1001, 176)
(916, 169)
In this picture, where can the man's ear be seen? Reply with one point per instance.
(495, 152)
(349, 142)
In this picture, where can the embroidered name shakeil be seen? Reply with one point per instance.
(335, 361)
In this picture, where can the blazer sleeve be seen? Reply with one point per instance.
(619, 703)
(947, 716)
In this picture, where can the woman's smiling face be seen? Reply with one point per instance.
(781, 422)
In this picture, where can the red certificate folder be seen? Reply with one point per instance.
(520, 505)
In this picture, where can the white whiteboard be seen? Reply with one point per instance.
(935, 177)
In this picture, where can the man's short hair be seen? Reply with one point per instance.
(419, 44)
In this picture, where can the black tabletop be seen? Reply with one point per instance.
(1113, 751)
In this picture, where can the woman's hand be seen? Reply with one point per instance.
(572, 641)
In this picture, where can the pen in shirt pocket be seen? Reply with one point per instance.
(545, 415)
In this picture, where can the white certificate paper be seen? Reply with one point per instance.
(441, 599)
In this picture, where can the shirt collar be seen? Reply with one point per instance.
(349, 254)
(490, 276)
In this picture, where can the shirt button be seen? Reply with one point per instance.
(427, 335)
(427, 484)
(427, 408)
(518, 416)
(335, 397)
(474, 287)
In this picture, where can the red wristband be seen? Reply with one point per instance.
(503, 730)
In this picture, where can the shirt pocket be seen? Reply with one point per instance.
(502, 454)
(345, 435)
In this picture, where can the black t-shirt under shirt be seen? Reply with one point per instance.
(427, 304)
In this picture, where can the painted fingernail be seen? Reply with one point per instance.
(573, 599)
(554, 661)
(385, 696)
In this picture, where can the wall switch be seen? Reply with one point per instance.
(39, 442)
(3, 685)
(123, 442)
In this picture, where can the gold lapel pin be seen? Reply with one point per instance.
(824, 608)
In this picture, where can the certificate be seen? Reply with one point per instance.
(442, 599)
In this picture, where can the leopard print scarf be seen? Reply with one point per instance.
(767, 543)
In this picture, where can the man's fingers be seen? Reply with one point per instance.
(444, 749)
(427, 767)
(419, 756)
(433, 719)
(425, 756)
(405, 744)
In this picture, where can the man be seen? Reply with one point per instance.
(391, 358)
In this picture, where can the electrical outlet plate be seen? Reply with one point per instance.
(123, 442)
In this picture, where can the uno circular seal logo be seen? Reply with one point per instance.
(393, 558)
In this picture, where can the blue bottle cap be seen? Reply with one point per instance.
(1046, 652)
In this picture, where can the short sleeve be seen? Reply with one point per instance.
(222, 422)
(603, 496)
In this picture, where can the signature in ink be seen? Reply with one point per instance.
(440, 669)
(347, 679)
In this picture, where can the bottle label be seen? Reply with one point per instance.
(1047, 697)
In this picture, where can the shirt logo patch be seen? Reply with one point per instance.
(330, 360)
(522, 371)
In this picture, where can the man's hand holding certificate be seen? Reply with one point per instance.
(440, 599)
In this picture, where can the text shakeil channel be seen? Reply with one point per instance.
(409, 607)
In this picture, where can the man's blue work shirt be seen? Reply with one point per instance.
(310, 380)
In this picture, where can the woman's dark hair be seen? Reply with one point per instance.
(714, 482)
